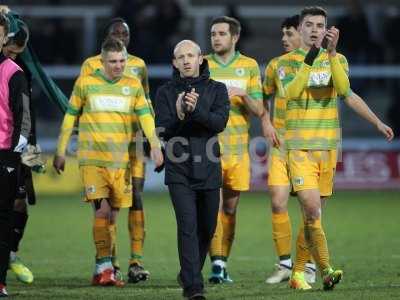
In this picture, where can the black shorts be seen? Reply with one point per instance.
(25, 188)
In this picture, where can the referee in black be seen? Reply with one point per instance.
(191, 110)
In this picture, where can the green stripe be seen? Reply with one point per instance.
(288, 78)
(220, 63)
(103, 163)
(312, 124)
(77, 91)
(103, 127)
(143, 111)
(73, 111)
(313, 144)
(113, 89)
(237, 129)
(267, 96)
(237, 111)
(300, 51)
(115, 148)
(290, 63)
(280, 113)
(311, 104)
(87, 109)
(237, 149)
(256, 95)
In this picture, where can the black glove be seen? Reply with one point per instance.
(311, 55)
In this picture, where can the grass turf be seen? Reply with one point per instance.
(362, 230)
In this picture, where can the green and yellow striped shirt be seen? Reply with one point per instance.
(312, 120)
(241, 72)
(107, 112)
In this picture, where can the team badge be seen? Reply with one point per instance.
(134, 71)
(90, 189)
(126, 90)
(281, 73)
(239, 72)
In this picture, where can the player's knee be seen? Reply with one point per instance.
(279, 199)
(20, 206)
(278, 205)
(229, 210)
(312, 213)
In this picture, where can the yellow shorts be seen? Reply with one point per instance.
(278, 170)
(312, 169)
(113, 184)
(236, 172)
(138, 167)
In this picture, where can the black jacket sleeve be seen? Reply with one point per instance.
(19, 104)
(215, 119)
(166, 120)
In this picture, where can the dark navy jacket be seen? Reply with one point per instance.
(197, 132)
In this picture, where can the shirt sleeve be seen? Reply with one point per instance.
(254, 89)
(294, 83)
(86, 68)
(146, 120)
(340, 75)
(76, 102)
(269, 87)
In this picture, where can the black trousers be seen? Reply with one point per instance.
(8, 188)
(196, 217)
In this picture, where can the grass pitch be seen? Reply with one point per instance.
(362, 230)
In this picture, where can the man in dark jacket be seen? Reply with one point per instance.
(191, 110)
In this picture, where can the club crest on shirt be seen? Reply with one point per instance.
(90, 189)
(134, 71)
(281, 73)
(239, 72)
(126, 90)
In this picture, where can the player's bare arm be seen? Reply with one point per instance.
(357, 104)
(255, 107)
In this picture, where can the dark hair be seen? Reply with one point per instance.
(234, 24)
(20, 38)
(313, 11)
(292, 21)
(112, 45)
(109, 24)
(4, 22)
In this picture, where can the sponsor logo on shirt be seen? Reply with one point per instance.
(109, 103)
(239, 83)
(317, 79)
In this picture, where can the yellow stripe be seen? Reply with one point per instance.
(106, 156)
(312, 114)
